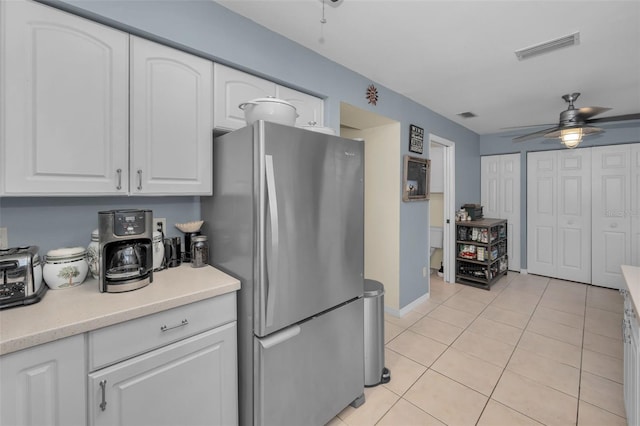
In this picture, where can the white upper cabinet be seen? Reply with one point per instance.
(309, 108)
(233, 87)
(73, 127)
(65, 103)
(171, 120)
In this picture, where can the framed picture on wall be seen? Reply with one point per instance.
(417, 173)
(416, 139)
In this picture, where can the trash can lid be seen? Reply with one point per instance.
(373, 288)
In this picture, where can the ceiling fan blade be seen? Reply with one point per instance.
(615, 118)
(534, 135)
(587, 112)
(527, 126)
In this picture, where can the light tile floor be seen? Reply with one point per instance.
(531, 351)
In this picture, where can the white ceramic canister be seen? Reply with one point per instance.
(93, 256)
(158, 251)
(65, 267)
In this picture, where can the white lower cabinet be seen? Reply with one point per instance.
(631, 340)
(191, 382)
(44, 385)
(176, 367)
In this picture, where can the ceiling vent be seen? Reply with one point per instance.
(551, 45)
(467, 114)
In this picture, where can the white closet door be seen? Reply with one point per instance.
(612, 214)
(574, 215)
(541, 212)
(635, 204)
(490, 179)
(500, 198)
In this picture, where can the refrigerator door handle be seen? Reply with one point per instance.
(272, 268)
(279, 337)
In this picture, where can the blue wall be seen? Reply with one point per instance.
(501, 143)
(209, 30)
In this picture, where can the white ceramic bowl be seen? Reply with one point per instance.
(269, 109)
(65, 267)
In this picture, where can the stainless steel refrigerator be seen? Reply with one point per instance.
(287, 219)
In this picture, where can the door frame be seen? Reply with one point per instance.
(449, 160)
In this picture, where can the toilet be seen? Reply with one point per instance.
(436, 238)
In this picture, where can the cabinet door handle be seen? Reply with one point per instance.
(182, 324)
(139, 180)
(119, 172)
(103, 385)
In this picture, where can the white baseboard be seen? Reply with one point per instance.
(524, 272)
(402, 312)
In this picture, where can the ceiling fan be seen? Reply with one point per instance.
(575, 123)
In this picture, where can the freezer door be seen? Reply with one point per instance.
(312, 214)
(307, 373)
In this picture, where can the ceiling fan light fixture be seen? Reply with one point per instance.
(571, 138)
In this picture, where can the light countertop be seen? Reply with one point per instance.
(632, 278)
(64, 313)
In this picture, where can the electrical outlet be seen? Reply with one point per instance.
(4, 238)
(160, 224)
(424, 271)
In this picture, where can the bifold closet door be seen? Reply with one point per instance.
(616, 233)
(559, 214)
(500, 198)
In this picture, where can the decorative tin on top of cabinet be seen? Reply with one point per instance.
(481, 251)
(66, 96)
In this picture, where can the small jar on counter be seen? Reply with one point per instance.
(65, 267)
(199, 251)
(158, 251)
(93, 255)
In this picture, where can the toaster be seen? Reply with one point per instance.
(20, 277)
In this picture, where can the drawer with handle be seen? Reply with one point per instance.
(122, 341)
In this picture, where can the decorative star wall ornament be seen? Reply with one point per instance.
(372, 94)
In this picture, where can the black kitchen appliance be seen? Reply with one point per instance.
(125, 250)
(20, 277)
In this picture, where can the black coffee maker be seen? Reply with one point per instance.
(125, 251)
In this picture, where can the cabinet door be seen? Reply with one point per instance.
(573, 237)
(559, 214)
(310, 109)
(171, 120)
(231, 88)
(65, 91)
(44, 385)
(541, 213)
(191, 382)
(611, 214)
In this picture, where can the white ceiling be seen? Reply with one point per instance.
(456, 56)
